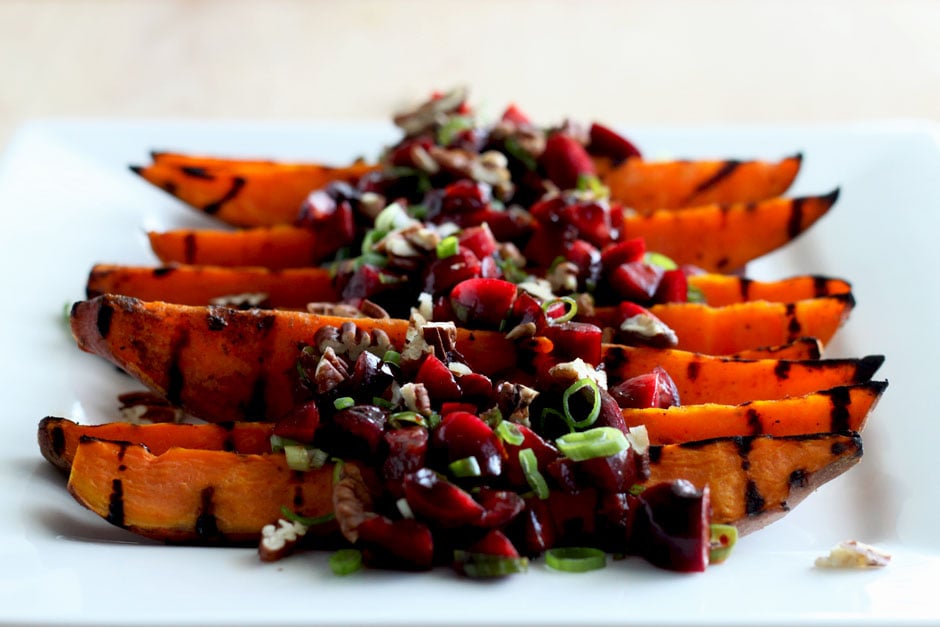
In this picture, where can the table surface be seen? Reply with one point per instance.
(631, 62)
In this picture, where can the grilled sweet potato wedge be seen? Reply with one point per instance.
(249, 194)
(198, 496)
(728, 289)
(220, 364)
(731, 380)
(59, 437)
(724, 237)
(650, 185)
(756, 479)
(190, 495)
(802, 349)
(275, 247)
(839, 409)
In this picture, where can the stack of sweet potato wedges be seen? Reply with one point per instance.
(765, 418)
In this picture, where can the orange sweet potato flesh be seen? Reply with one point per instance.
(193, 496)
(59, 437)
(724, 237)
(280, 246)
(221, 364)
(201, 285)
(725, 289)
(754, 480)
(250, 194)
(198, 496)
(649, 185)
(801, 349)
(733, 328)
(729, 380)
(839, 409)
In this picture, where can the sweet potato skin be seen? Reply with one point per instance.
(755, 480)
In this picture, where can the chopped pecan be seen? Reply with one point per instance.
(514, 400)
(279, 540)
(138, 406)
(352, 502)
(441, 337)
(416, 398)
(331, 371)
(431, 112)
(372, 310)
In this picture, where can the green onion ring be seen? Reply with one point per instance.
(575, 387)
(722, 540)
(597, 442)
(344, 402)
(465, 467)
(570, 314)
(575, 559)
(485, 565)
(447, 247)
(346, 561)
(530, 468)
(509, 433)
(306, 521)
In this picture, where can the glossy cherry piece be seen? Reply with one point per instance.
(576, 339)
(437, 379)
(462, 434)
(361, 427)
(440, 502)
(300, 424)
(367, 281)
(500, 506)
(673, 287)
(515, 115)
(635, 281)
(406, 451)
(443, 274)
(482, 303)
(565, 160)
(671, 527)
(606, 142)
(479, 240)
(655, 389)
(626, 251)
(465, 196)
(404, 544)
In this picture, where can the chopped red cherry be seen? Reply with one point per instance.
(671, 528)
(635, 281)
(437, 379)
(654, 389)
(300, 424)
(605, 142)
(462, 434)
(482, 302)
(565, 160)
(673, 287)
(572, 340)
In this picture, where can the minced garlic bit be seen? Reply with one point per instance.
(853, 554)
(275, 537)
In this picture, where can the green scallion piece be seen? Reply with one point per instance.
(452, 127)
(661, 260)
(574, 388)
(307, 521)
(406, 419)
(447, 247)
(509, 433)
(279, 443)
(346, 561)
(483, 565)
(694, 294)
(596, 442)
(591, 183)
(515, 149)
(723, 539)
(392, 217)
(568, 315)
(344, 402)
(575, 559)
(392, 357)
(530, 468)
(298, 457)
(465, 467)
(337, 469)
(378, 401)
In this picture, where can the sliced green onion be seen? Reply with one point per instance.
(596, 442)
(344, 402)
(465, 467)
(398, 419)
(492, 417)
(346, 561)
(452, 127)
(530, 468)
(575, 559)
(661, 260)
(447, 247)
(392, 357)
(369, 240)
(573, 389)
(378, 401)
(567, 300)
(419, 212)
(390, 218)
(509, 433)
(694, 294)
(515, 149)
(300, 457)
(636, 489)
(591, 183)
(307, 521)
(723, 539)
(433, 420)
(337, 469)
(485, 565)
(279, 443)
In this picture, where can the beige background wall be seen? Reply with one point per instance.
(668, 61)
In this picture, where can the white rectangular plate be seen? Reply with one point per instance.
(68, 201)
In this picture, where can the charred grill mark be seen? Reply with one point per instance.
(58, 440)
(257, 404)
(727, 169)
(693, 369)
(213, 207)
(615, 358)
(216, 319)
(176, 380)
(656, 454)
(782, 369)
(794, 328)
(754, 421)
(798, 479)
(866, 367)
(795, 221)
(196, 172)
(820, 286)
(163, 271)
(116, 504)
(103, 322)
(754, 502)
(744, 284)
(228, 444)
(744, 450)
(298, 497)
(722, 263)
(840, 398)
(207, 527)
(189, 248)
